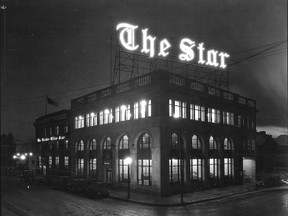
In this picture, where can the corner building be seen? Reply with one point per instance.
(180, 134)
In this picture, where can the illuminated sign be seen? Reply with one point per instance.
(51, 139)
(189, 49)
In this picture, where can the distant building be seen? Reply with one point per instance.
(266, 152)
(52, 137)
(8, 148)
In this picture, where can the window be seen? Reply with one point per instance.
(123, 144)
(145, 108)
(107, 144)
(144, 141)
(251, 145)
(123, 170)
(91, 119)
(108, 116)
(213, 168)
(79, 122)
(50, 162)
(212, 144)
(213, 115)
(57, 130)
(174, 170)
(136, 110)
(240, 121)
(228, 167)
(196, 170)
(196, 143)
(66, 129)
(144, 161)
(66, 162)
(177, 109)
(92, 167)
(57, 161)
(92, 145)
(175, 141)
(228, 118)
(228, 144)
(117, 114)
(80, 146)
(144, 172)
(80, 166)
(39, 162)
(122, 113)
(197, 112)
(101, 117)
(66, 144)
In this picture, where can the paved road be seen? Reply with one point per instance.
(38, 201)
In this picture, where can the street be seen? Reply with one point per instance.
(18, 199)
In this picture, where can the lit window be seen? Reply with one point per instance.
(228, 167)
(196, 143)
(228, 144)
(80, 146)
(92, 167)
(196, 170)
(91, 119)
(213, 115)
(39, 161)
(66, 129)
(79, 122)
(174, 171)
(197, 112)
(144, 141)
(66, 162)
(122, 113)
(123, 170)
(117, 114)
(143, 104)
(57, 130)
(136, 110)
(228, 118)
(57, 161)
(50, 162)
(66, 144)
(175, 141)
(93, 145)
(145, 172)
(177, 109)
(123, 144)
(107, 144)
(213, 168)
(101, 117)
(212, 144)
(80, 166)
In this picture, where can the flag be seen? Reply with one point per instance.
(51, 101)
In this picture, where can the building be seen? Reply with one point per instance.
(52, 150)
(180, 134)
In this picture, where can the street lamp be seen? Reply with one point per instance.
(128, 161)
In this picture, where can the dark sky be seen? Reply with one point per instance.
(62, 49)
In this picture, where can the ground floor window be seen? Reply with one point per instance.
(213, 168)
(80, 166)
(92, 167)
(228, 167)
(123, 170)
(50, 162)
(196, 170)
(66, 162)
(174, 171)
(144, 172)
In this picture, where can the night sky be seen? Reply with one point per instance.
(62, 49)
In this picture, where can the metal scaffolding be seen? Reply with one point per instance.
(128, 65)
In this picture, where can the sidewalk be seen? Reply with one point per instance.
(190, 198)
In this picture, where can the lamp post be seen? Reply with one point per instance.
(128, 161)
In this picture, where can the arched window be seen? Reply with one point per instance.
(196, 143)
(80, 146)
(144, 160)
(123, 143)
(144, 141)
(175, 141)
(228, 145)
(212, 143)
(92, 145)
(107, 143)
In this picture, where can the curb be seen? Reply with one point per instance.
(199, 201)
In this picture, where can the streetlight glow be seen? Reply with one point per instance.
(128, 160)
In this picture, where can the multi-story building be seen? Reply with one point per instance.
(179, 133)
(52, 148)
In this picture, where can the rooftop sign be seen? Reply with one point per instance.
(189, 49)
